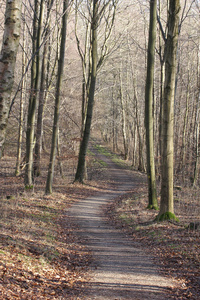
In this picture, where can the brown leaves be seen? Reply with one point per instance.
(40, 258)
(174, 246)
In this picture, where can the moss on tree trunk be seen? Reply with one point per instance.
(167, 216)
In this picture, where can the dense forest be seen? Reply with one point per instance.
(99, 108)
(76, 55)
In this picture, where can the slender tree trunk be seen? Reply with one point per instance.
(35, 78)
(141, 166)
(196, 168)
(183, 146)
(85, 78)
(124, 134)
(114, 144)
(167, 203)
(84, 143)
(41, 105)
(149, 123)
(19, 144)
(113, 129)
(161, 88)
(134, 130)
(162, 80)
(59, 160)
(7, 62)
(49, 181)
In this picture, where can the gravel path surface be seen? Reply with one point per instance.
(120, 268)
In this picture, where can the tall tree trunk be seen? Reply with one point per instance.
(162, 80)
(114, 117)
(167, 203)
(41, 105)
(84, 143)
(59, 160)
(7, 62)
(19, 144)
(124, 133)
(141, 166)
(35, 78)
(149, 123)
(49, 181)
(85, 73)
(196, 167)
(162, 40)
(181, 165)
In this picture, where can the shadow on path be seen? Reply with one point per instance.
(120, 268)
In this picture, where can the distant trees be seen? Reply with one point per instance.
(116, 81)
(186, 109)
(8, 54)
(122, 80)
(97, 12)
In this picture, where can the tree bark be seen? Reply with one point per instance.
(19, 144)
(149, 122)
(114, 118)
(84, 143)
(7, 62)
(42, 101)
(197, 119)
(49, 181)
(196, 167)
(35, 78)
(124, 129)
(167, 203)
(84, 54)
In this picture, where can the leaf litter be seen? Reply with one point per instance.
(174, 246)
(41, 258)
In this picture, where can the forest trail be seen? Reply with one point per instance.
(120, 268)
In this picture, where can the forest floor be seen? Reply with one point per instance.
(42, 257)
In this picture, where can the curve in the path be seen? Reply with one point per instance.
(120, 268)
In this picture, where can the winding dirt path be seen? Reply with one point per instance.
(120, 268)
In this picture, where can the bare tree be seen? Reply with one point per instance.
(43, 92)
(22, 98)
(35, 79)
(151, 176)
(49, 181)
(97, 13)
(167, 203)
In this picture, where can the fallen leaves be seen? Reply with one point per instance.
(174, 246)
(40, 258)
